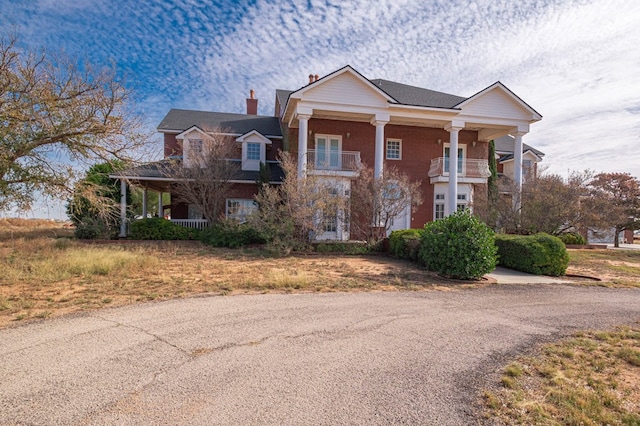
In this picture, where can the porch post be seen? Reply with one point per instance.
(303, 134)
(380, 120)
(144, 203)
(517, 168)
(123, 209)
(160, 209)
(453, 128)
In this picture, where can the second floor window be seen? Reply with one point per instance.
(447, 153)
(253, 151)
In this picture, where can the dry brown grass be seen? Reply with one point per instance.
(615, 268)
(47, 277)
(591, 379)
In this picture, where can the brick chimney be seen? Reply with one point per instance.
(252, 103)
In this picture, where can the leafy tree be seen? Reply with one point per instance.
(94, 207)
(553, 205)
(375, 203)
(205, 176)
(616, 197)
(55, 113)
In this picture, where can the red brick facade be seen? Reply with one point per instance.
(419, 146)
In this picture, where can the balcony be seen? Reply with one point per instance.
(469, 170)
(341, 163)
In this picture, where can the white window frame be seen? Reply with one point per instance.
(253, 137)
(439, 206)
(245, 208)
(462, 168)
(399, 150)
(325, 163)
(250, 151)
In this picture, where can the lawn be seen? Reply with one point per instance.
(46, 273)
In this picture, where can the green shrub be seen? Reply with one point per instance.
(341, 247)
(540, 254)
(572, 238)
(458, 246)
(89, 228)
(157, 228)
(405, 243)
(230, 233)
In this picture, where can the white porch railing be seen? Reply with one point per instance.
(348, 161)
(192, 223)
(473, 168)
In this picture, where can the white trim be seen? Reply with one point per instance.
(535, 116)
(461, 146)
(261, 138)
(328, 158)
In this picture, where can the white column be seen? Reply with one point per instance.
(453, 130)
(160, 209)
(517, 160)
(144, 203)
(303, 133)
(517, 170)
(380, 120)
(123, 209)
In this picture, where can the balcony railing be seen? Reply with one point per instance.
(192, 223)
(472, 168)
(347, 161)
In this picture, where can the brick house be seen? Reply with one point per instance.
(335, 123)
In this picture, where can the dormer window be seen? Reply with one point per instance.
(254, 150)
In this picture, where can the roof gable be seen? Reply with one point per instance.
(344, 86)
(499, 102)
(254, 136)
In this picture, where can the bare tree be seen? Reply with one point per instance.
(204, 177)
(56, 114)
(376, 202)
(291, 214)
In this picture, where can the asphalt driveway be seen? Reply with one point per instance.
(359, 358)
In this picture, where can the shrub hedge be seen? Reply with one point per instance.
(157, 228)
(405, 243)
(458, 246)
(572, 238)
(540, 254)
(230, 233)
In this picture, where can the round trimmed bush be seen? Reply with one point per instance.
(572, 238)
(458, 246)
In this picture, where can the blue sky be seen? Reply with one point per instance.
(575, 62)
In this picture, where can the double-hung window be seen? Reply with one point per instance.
(394, 149)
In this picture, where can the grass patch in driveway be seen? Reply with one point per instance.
(590, 379)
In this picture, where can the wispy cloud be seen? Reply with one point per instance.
(575, 61)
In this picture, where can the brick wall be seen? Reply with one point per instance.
(419, 147)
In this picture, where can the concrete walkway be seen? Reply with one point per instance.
(509, 276)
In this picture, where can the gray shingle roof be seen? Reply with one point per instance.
(183, 119)
(160, 169)
(505, 144)
(412, 95)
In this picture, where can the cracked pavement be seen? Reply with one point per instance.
(342, 358)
